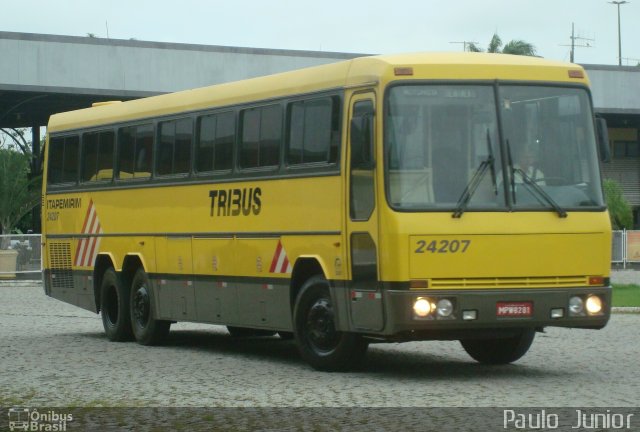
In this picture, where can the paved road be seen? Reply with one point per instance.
(53, 354)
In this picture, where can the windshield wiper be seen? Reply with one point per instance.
(533, 186)
(477, 177)
(537, 188)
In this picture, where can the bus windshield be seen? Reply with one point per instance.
(444, 149)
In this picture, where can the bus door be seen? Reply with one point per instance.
(362, 221)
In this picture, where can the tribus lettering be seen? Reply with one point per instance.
(233, 202)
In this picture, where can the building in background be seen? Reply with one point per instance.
(616, 97)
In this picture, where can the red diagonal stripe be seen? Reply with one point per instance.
(84, 227)
(276, 256)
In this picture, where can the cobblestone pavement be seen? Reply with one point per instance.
(54, 354)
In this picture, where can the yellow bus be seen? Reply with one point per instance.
(384, 198)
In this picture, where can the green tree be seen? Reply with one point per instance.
(619, 209)
(19, 192)
(516, 47)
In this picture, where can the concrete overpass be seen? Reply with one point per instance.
(43, 74)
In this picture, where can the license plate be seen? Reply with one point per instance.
(514, 309)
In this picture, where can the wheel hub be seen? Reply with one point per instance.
(141, 306)
(320, 325)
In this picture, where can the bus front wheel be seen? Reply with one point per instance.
(499, 351)
(319, 343)
(146, 328)
(114, 307)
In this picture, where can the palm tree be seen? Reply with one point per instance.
(516, 47)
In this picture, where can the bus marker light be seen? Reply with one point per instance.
(417, 284)
(403, 71)
(594, 305)
(557, 313)
(469, 315)
(576, 73)
(596, 280)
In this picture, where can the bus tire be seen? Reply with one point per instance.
(114, 307)
(147, 330)
(501, 350)
(319, 343)
(239, 332)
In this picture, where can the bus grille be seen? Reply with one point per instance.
(517, 282)
(60, 259)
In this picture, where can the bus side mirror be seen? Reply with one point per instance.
(603, 139)
(362, 156)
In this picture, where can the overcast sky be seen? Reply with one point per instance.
(355, 26)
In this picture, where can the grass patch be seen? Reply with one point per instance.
(626, 296)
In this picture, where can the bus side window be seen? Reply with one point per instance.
(261, 137)
(135, 144)
(174, 147)
(313, 131)
(63, 160)
(362, 200)
(216, 137)
(97, 156)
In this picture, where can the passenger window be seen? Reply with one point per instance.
(314, 131)
(97, 156)
(216, 136)
(174, 147)
(261, 137)
(63, 160)
(135, 145)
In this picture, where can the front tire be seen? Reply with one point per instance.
(500, 351)
(146, 328)
(114, 307)
(319, 342)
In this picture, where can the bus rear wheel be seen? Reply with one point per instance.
(319, 342)
(146, 328)
(114, 307)
(500, 350)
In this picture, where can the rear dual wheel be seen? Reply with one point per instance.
(114, 307)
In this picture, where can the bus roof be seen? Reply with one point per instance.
(350, 73)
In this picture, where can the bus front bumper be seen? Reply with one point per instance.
(452, 314)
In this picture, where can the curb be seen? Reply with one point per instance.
(625, 310)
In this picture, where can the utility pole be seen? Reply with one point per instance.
(573, 45)
(618, 3)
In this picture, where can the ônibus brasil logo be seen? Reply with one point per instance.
(25, 419)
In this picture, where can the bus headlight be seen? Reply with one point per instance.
(576, 305)
(594, 305)
(422, 307)
(444, 308)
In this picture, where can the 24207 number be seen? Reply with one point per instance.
(442, 246)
